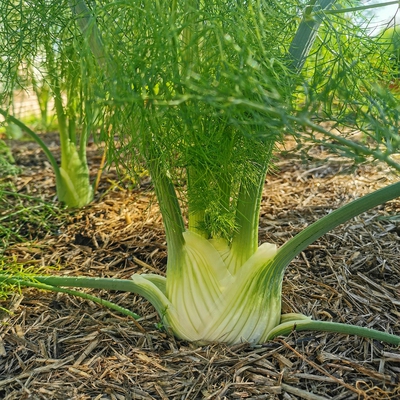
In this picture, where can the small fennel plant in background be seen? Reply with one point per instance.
(201, 93)
(46, 56)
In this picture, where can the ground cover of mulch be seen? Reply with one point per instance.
(54, 346)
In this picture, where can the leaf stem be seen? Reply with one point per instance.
(53, 283)
(37, 139)
(302, 240)
(326, 326)
(306, 33)
(245, 242)
(169, 205)
(86, 296)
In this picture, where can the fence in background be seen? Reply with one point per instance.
(25, 104)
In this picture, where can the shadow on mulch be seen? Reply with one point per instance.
(53, 346)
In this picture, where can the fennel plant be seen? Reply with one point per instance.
(201, 93)
(46, 55)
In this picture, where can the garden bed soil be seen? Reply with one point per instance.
(54, 346)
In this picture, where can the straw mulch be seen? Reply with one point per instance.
(53, 346)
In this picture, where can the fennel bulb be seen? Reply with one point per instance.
(207, 302)
(74, 188)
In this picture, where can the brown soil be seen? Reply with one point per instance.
(54, 346)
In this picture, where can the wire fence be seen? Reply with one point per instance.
(25, 105)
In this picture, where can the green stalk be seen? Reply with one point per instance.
(62, 122)
(245, 241)
(86, 130)
(83, 144)
(190, 52)
(82, 295)
(71, 117)
(169, 205)
(54, 282)
(37, 139)
(87, 24)
(174, 8)
(42, 94)
(195, 217)
(307, 32)
(302, 240)
(189, 55)
(326, 326)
